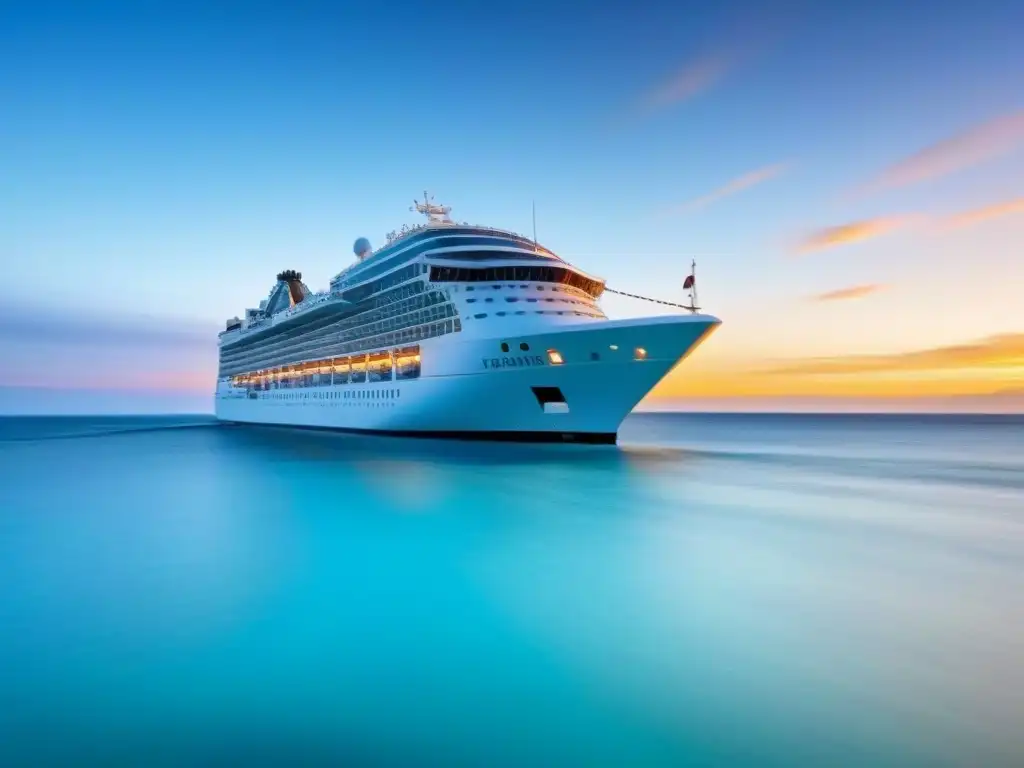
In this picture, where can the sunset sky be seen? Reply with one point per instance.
(849, 178)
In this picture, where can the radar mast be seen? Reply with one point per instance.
(436, 214)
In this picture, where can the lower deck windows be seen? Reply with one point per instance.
(385, 365)
(407, 363)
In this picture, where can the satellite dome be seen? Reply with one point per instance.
(362, 247)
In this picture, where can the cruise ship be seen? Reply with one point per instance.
(449, 330)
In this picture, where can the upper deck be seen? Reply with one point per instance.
(439, 238)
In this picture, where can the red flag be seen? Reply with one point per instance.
(688, 282)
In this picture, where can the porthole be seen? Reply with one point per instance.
(524, 346)
(504, 346)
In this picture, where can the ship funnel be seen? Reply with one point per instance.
(296, 290)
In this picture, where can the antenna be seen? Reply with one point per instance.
(534, 204)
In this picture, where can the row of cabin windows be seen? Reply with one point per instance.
(578, 313)
(346, 394)
(403, 364)
(305, 349)
(297, 330)
(404, 312)
(531, 274)
(388, 281)
(402, 337)
(399, 312)
(524, 286)
(514, 299)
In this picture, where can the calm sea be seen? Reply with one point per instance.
(717, 590)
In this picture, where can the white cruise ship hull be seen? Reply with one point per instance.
(470, 389)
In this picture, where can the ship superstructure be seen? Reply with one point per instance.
(447, 330)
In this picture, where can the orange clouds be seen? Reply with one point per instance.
(738, 184)
(831, 237)
(853, 292)
(972, 147)
(985, 213)
(1005, 350)
(991, 368)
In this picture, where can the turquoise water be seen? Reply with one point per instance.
(719, 590)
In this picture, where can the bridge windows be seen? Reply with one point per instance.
(535, 274)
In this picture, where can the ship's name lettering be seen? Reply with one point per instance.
(517, 361)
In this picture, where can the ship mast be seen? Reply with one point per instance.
(436, 214)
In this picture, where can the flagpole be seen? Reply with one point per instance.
(693, 294)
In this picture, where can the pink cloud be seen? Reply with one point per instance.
(747, 180)
(979, 144)
(853, 292)
(691, 80)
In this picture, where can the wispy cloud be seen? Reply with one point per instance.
(844, 234)
(985, 213)
(972, 147)
(1004, 350)
(693, 79)
(42, 326)
(738, 184)
(853, 292)
(67, 349)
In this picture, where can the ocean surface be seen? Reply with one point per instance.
(717, 590)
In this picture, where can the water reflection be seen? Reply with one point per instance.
(653, 603)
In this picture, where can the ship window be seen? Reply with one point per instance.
(524, 346)
(500, 314)
(341, 368)
(504, 346)
(379, 366)
(407, 363)
(358, 374)
(511, 299)
(480, 316)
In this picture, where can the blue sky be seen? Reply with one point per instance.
(161, 164)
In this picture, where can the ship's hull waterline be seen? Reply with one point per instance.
(471, 388)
